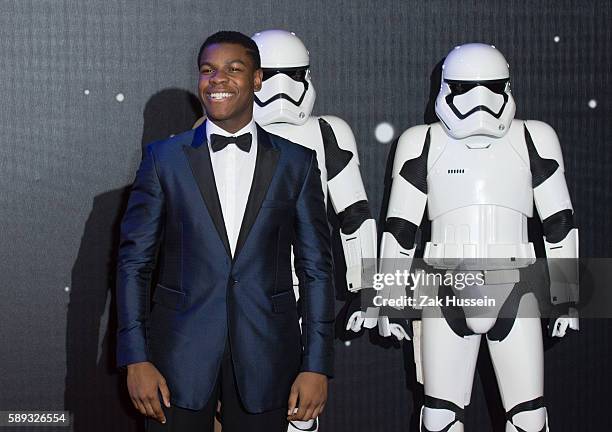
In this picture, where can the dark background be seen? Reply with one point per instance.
(69, 150)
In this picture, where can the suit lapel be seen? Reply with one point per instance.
(265, 166)
(198, 156)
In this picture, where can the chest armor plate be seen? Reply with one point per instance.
(494, 174)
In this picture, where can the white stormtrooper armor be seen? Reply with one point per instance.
(479, 171)
(474, 97)
(283, 107)
(288, 94)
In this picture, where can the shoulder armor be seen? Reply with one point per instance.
(409, 146)
(516, 135)
(545, 141)
(344, 134)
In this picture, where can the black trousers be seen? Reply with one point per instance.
(234, 417)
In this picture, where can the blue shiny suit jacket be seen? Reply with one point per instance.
(204, 296)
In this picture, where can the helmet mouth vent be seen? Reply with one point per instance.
(281, 96)
(282, 84)
(491, 102)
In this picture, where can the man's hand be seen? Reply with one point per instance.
(143, 381)
(309, 390)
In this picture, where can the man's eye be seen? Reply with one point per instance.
(235, 69)
(205, 71)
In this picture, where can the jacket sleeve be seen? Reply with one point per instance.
(140, 236)
(313, 264)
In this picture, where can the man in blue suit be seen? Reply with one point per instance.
(223, 204)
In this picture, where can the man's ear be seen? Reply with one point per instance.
(257, 79)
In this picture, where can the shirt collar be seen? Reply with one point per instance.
(212, 128)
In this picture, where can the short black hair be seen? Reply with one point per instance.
(233, 37)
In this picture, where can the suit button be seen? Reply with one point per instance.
(234, 283)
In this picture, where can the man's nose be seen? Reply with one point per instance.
(219, 76)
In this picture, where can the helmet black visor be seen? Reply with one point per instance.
(296, 74)
(461, 87)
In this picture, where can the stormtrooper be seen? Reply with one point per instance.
(479, 171)
(283, 107)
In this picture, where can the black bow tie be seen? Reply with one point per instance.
(219, 142)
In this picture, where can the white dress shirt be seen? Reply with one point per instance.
(233, 169)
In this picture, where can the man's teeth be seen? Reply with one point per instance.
(220, 95)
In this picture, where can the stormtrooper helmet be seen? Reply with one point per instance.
(287, 94)
(474, 97)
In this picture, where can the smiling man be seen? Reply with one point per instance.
(223, 204)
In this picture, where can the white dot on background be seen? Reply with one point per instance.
(67, 289)
(592, 104)
(384, 132)
(86, 91)
(347, 343)
(120, 97)
(556, 39)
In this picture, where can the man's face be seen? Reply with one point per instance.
(228, 79)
